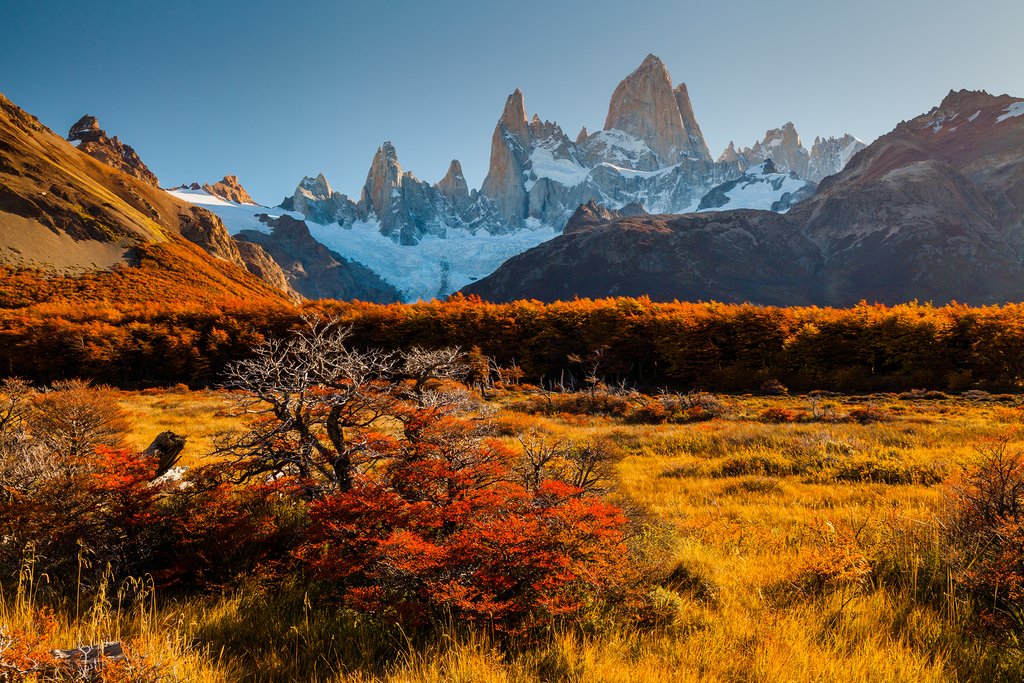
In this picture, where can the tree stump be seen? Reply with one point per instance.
(166, 448)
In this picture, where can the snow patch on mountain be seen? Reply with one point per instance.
(236, 217)
(1014, 110)
(761, 187)
(544, 164)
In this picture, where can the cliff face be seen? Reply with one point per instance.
(645, 107)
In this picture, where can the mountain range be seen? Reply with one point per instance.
(932, 210)
(431, 240)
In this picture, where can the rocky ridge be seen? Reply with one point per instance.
(87, 135)
(784, 148)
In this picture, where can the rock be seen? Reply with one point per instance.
(166, 448)
(831, 155)
(86, 662)
(87, 135)
(230, 189)
(589, 215)
(510, 145)
(262, 265)
(698, 147)
(784, 147)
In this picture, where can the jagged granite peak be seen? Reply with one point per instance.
(86, 129)
(510, 145)
(698, 147)
(831, 155)
(316, 200)
(729, 155)
(645, 107)
(513, 118)
(382, 181)
(317, 186)
(583, 135)
(454, 186)
(87, 135)
(784, 146)
(230, 189)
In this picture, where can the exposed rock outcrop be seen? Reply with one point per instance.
(262, 265)
(87, 135)
(784, 147)
(230, 189)
(510, 146)
(454, 186)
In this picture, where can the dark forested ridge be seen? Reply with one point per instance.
(681, 345)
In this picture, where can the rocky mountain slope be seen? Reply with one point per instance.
(933, 210)
(64, 214)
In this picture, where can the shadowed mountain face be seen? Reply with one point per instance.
(312, 269)
(722, 256)
(934, 211)
(66, 213)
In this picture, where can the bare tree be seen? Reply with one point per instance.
(71, 417)
(589, 465)
(542, 458)
(307, 393)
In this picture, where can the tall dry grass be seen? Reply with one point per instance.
(802, 551)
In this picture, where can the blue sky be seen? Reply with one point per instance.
(272, 91)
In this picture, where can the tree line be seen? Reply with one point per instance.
(709, 346)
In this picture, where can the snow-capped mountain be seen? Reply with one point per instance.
(431, 240)
(783, 146)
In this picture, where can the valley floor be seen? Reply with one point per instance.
(800, 536)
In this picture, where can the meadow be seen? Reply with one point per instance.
(789, 538)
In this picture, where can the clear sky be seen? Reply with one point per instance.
(272, 91)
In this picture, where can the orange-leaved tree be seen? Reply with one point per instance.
(445, 525)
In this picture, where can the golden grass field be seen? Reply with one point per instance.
(799, 552)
